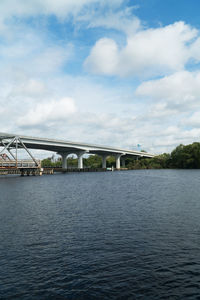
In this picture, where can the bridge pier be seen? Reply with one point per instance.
(123, 162)
(79, 156)
(104, 161)
(118, 156)
(80, 159)
(64, 160)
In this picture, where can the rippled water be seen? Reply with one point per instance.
(115, 235)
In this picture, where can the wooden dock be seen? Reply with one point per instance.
(20, 167)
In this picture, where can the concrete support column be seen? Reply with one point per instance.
(80, 159)
(118, 161)
(64, 160)
(104, 161)
(123, 162)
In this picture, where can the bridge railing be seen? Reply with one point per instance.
(19, 164)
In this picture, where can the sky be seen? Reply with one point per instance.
(117, 72)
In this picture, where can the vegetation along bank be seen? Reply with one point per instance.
(182, 157)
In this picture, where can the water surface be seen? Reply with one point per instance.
(114, 235)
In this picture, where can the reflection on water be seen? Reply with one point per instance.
(114, 235)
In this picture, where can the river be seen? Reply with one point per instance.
(107, 235)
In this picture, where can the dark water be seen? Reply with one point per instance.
(114, 235)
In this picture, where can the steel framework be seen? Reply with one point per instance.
(16, 143)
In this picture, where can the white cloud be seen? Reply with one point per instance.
(13, 12)
(36, 87)
(122, 20)
(180, 90)
(51, 59)
(30, 88)
(33, 53)
(193, 120)
(156, 127)
(62, 9)
(103, 57)
(147, 52)
(54, 110)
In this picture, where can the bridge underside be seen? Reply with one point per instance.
(8, 142)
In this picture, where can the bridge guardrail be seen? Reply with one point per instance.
(19, 164)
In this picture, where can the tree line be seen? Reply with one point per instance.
(182, 157)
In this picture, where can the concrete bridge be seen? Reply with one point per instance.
(8, 142)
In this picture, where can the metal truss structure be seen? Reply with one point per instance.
(10, 159)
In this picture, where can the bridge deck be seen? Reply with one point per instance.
(60, 146)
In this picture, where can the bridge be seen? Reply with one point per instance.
(10, 142)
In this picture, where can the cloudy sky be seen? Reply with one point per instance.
(114, 72)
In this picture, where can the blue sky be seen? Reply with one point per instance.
(112, 72)
(155, 12)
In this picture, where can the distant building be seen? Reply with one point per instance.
(53, 158)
